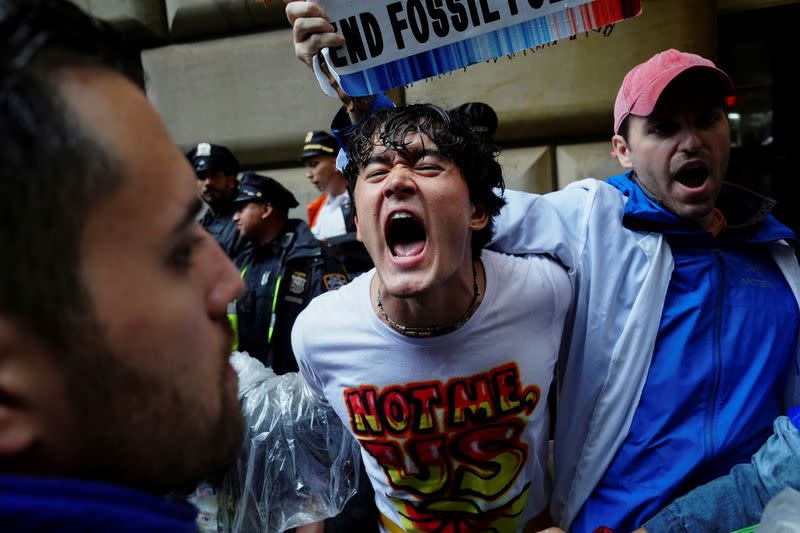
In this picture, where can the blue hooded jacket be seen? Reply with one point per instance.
(727, 336)
(67, 505)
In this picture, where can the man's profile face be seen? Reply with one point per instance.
(248, 218)
(214, 185)
(156, 393)
(415, 216)
(680, 152)
(322, 172)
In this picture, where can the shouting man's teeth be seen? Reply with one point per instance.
(405, 235)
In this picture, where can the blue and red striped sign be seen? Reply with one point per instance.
(394, 43)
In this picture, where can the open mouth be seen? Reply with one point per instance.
(405, 235)
(692, 176)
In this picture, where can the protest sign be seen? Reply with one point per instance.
(391, 43)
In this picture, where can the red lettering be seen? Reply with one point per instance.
(424, 399)
(491, 457)
(425, 471)
(471, 401)
(363, 413)
(506, 381)
(395, 411)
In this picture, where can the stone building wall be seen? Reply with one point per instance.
(224, 71)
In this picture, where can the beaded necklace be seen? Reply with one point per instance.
(432, 331)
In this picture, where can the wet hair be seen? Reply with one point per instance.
(52, 171)
(452, 135)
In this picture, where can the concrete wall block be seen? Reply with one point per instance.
(569, 88)
(194, 18)
(528, 169)
(589, 160)
(249, 93)
(150, 14)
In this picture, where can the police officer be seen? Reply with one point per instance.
(216, 168)
(331, 215)
(286, 268)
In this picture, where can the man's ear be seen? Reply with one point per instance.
(17, 421)
(358, 228)
(479, 218)
(268, 209)
(622, 150)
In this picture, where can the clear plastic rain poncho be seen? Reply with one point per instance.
(298, 462)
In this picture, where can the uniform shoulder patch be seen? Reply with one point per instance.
(334, 281)
(297, 283)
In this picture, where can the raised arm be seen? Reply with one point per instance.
(312, 33)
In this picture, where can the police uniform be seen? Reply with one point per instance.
(218, 220)
(345, 246)
(325, 211)
(280, 278)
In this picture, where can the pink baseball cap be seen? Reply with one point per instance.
(643, 85)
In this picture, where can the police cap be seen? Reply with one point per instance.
(481, 117)
(319, 142)
(207, 157)
(263, 189)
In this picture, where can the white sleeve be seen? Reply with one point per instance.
(562, 297)
(555, 224)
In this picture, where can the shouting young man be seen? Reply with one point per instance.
(431, 359)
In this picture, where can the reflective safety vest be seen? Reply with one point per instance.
(233, 316)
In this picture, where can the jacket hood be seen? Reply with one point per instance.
(747, 213)
(50, 504)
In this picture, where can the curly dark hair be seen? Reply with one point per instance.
(452, 135)
(52, 171)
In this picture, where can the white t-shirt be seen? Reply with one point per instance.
(452, 428)
(330, 220)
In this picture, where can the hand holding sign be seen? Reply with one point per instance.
(311, 30)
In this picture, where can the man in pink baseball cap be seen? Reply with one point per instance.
(719, 370)
(671, 128)
(643, 85)
(717, 367)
